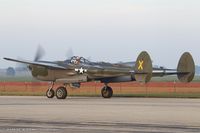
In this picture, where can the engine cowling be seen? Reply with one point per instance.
(38, 71)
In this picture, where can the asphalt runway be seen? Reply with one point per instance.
(97, 115)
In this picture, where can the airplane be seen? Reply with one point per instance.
(77, 70)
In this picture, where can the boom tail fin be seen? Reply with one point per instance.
(186, 68)
(143, 67)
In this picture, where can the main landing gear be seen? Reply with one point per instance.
(106, 92)
(61, 92)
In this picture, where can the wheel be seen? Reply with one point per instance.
(61, 93)
(107, 92)
(50, 93)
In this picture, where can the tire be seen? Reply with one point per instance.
(50, 93)
(107, 92)
(61, 93)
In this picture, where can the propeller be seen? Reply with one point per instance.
(39, 53)
(35, 70)
(89, 58)
(69, 53)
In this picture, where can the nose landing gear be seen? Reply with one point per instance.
(50, 92)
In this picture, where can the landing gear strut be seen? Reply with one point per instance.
(107, 92)
(50, 92)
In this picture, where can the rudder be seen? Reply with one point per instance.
(186, 68)
(143, 67)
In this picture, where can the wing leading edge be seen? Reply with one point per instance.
(44, 64)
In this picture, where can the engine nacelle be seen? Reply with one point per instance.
(38, 71)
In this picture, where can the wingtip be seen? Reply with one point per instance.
(5, 58)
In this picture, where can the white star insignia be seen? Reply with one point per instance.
(81, 70)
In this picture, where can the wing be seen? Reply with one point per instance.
(44, 64)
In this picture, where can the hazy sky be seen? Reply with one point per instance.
(105, 30)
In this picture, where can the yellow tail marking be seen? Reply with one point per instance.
(140, 67)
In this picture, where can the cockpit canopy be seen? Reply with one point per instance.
(78, 60)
